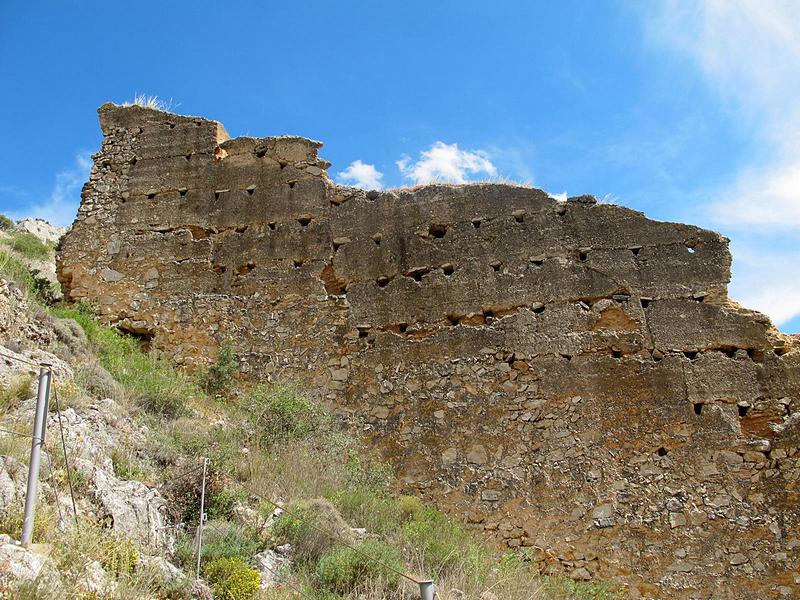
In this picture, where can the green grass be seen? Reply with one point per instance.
(281, 412)
(343, 570)
(13, 268)
(28, 245)
(28, 280)
(17, 390)
(5, 223)
(148, 377)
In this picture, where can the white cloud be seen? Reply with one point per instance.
(765, 199)
(562, 197)
(749, 53)
(446, 163)
(362, 175)
(61, 206)
(766, 280)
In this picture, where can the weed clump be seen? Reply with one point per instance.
(343, 570)
(282, 413)
(19, 388)
(220, 376)
(28, 245)
(232, 579)
(6, 223)
(307, 527)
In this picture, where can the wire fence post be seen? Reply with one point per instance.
(202, 517)
(37, 442)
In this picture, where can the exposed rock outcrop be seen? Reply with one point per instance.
(43, 230)
(568, 376)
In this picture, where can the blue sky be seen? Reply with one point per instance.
(684, 110)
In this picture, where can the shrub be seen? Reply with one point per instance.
(377, 513)
(6, 223)
(12, 517)
(342, 570)
(12, 268)
(17, 390)
(228, 540)
(313, 528)
(41, 288)
(28, 245)
(97, 381)
(281, 412)
(444, 545)
(127, 465)
(222, 503)
(220, 376)
(232, 579)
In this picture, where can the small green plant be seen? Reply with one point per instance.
(232, 579)
(28, 245)
(11, 522)
(228, 540)
(343, 570)
(443, 544)
(12, 268)
(127, 465)
(313, 528)
(222, 503)
(17, 390)
(221, 375)
(281, 412)
(5, 223)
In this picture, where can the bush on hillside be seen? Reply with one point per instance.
(312, 528)
(27, 279)
(28, 245)
(6, 223)
(220, 376)
(343, 570)
(281, 412)
(232, 579)
(19, 388)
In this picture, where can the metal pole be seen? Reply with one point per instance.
(37, 442)
(202, 517)
(427, 590)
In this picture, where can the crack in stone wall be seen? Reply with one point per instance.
(567, 377)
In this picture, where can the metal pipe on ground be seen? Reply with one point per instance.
(427, 590)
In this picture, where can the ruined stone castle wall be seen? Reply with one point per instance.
(569, 377)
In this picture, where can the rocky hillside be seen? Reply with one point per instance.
(295, 506)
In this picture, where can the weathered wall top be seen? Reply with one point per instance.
(568, 376)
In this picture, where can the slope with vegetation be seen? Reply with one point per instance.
(295, 506)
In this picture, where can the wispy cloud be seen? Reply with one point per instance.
(749, 53)
(61, 206)
(446, 163)
(361, 175)
(767, 280)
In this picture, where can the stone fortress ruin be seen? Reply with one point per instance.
(567, 377)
